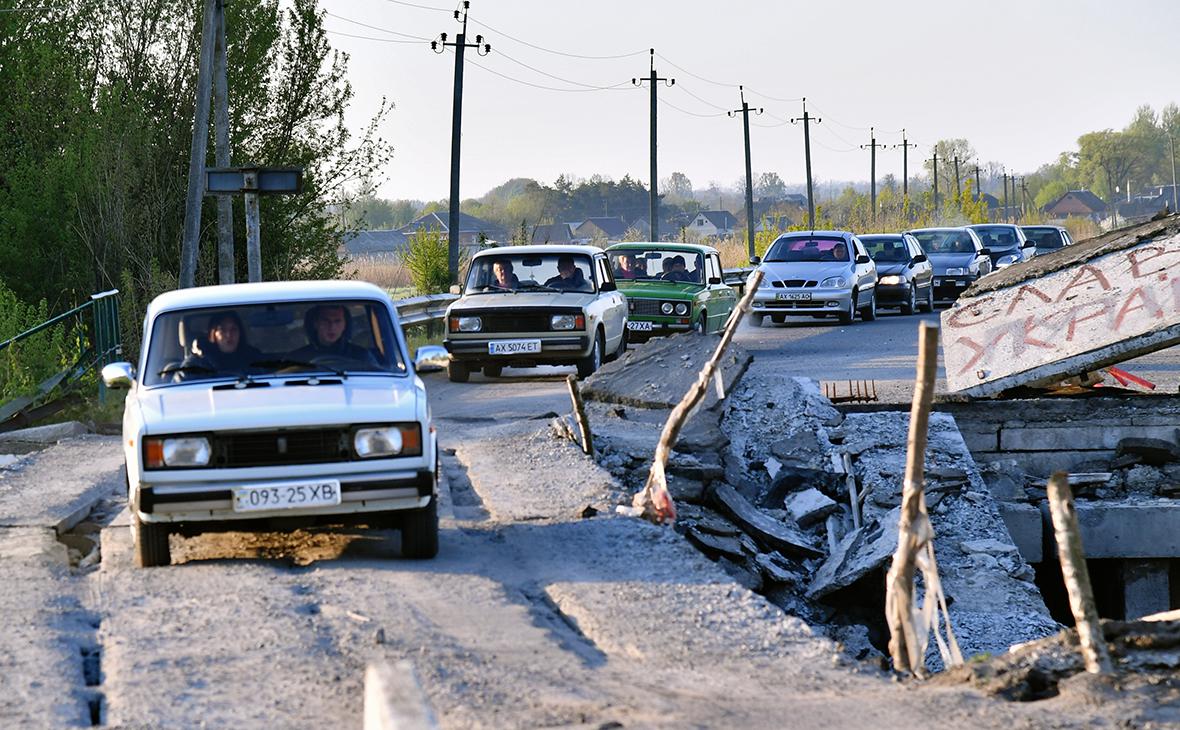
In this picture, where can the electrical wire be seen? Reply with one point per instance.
(556, 53)
(371, 38)
(706, 102)
(665, 102)
(540, 86)
(422, 7)
(588, 87)
(695, 76)
(374, 27)
(773, 98)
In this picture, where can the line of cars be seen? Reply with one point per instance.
(838, 273)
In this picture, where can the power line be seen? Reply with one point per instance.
(775, 98)
(558, 53)
(590, 87)
(695, 76)
(374, 27)
(416, 5)
(371, 38)
(706, 102)
(685, 111)
(542, 86)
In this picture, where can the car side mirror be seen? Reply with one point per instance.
(920, 258)
(431, 359)
(714, 280)
(118, 375)
(755, 260)
(863, 259)
(456, 289)
(984, 252)
(1028, 244)
(608, 286)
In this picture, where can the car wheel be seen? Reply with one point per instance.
(493, 371)
(929, 305)
(151, 543)
(587, 365)
(622, 348)
(457, 372)
(849, 316)
(756, 319)
(420, 532)
(778, 318)
(911, 304)
(702, 325)
(869, 313)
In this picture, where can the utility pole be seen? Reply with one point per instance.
(905, 165)
(958, 188)
(653, 81)
(460, 45)
(978, 191)
(1023, 198)
(936, 180)
(1005, 197)
(196, 162)
(745, 112)
(807, 119)
(872, 147)
(1172, 148)
(225, 204)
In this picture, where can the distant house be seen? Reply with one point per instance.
(795, 199)
(1141, 208)
(592, 229)
(641, 226)
(374, 243)
(1077, 204)
(773, 223)
(553, 233)
(471, 229)
(713, 223)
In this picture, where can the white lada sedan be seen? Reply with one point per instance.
(270, 406)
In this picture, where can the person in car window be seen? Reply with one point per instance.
(329, 332)
(569, 276)
(504, 278)
(627, 268)
(679, 270)
(839, 252)
(224, 348)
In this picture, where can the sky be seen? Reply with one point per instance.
(1020, 80)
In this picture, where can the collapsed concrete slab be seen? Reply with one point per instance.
(1066, 313)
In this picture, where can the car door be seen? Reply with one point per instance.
(985, 261)
(866, 274)
(923, 271)
(614, 303)
(720, 299)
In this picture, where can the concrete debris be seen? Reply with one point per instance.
(44, 435)
(716, 546)
(766, 530)
(859, 553)
(810, 506)
(1156, 452)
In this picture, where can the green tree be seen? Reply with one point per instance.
(769, 185)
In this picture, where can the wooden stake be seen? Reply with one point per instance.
(580, 415)
(905, 645)
(1077, 577)
(853, 497)
(654, 502)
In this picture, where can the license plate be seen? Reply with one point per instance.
(938, 282)
(639, 326)
(513, 347)
(793, 296)
(293, 495)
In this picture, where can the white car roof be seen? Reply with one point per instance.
(539, 249)
(260, 293)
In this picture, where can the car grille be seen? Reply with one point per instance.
(274, 448)
(644, 306)
(516, 322)
(793, 283)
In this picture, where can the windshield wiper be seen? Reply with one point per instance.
(283, 362)
(187, 369)
(497, 287)
(544, 287)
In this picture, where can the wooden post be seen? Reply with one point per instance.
(1077, 577)
(580, 415)
(906, 647)
(654, 502)
(853, 496)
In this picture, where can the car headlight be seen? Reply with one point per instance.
(764, 283)
(397, 440)
(567, 322)
(681, 309)
(466, 324)
(956, 272)
(834, 282)
(666, 307)
(889, 280)
(178, 451)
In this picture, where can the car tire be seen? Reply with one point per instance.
(911, 305)
(587, 365)
(869, 313)
(702, 325)
(622, 344)
(493, 371)
(756, 319)
(420, 532)
(928, 306)
(151, 543)
(457, 372)
(849, 316)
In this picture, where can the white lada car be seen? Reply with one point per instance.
(270, 406)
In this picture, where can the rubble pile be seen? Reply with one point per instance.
(800, 503)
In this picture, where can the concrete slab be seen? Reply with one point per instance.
(1026, 528)
(1145, 588)
(1094, 304)
(48, 434)
(1144, 528)
(60, 485)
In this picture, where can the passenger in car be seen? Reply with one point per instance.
(504, 277)
(569, 276)
(329, 334)
(679, 270)
(839, 252)
(628, 269)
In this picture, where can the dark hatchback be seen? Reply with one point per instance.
(1005, 243)
(1047, 238)
(905, 277)
(958, 258)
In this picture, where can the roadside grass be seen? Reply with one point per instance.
(384, 270)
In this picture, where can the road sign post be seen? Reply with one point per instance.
(250, 183)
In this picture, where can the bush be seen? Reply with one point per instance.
(425, 257)
(29, 362)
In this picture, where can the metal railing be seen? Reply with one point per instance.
(97, 345)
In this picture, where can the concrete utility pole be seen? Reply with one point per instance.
(460, 45)
(905, 165)
(1005, 197)
(745, 112)
(872, 147)
(807, 120)
(225, 204)
(653, 81)
(978, 191)
(1172, 148)
(958, 187)
(190, 243)
(1023, 198)
(935, 179)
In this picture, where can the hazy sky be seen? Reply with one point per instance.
(1020, 80)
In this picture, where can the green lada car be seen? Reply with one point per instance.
(671, 287)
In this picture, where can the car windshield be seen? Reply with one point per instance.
(945, 241)
(808, 249)
(998, 238)
(558, 272)
(281, 338)
(657, 263)
(1044, 238)
(886, 249)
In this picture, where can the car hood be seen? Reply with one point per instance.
(202, 407)
(894, 269)
(943, 261)
(509, 300)
(817, 270)
(659, 289)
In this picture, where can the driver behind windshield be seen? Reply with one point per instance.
(224, 347)
(329, 329)
(569, 276)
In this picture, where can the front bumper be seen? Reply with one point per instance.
(660, 325)
(561, 348)
(893, 293)
(948, 288)
(818, 301)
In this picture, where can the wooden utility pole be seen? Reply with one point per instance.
(978, 191)
(872, 147)
(460, 45)
(807, 120)
(936, 180)
(190, 243)
(905, 165)
(958, 187)
(1172, 149)
(1005, 197)
(745, 112)
(653, 79)
(1076, 575)
(225, 204)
